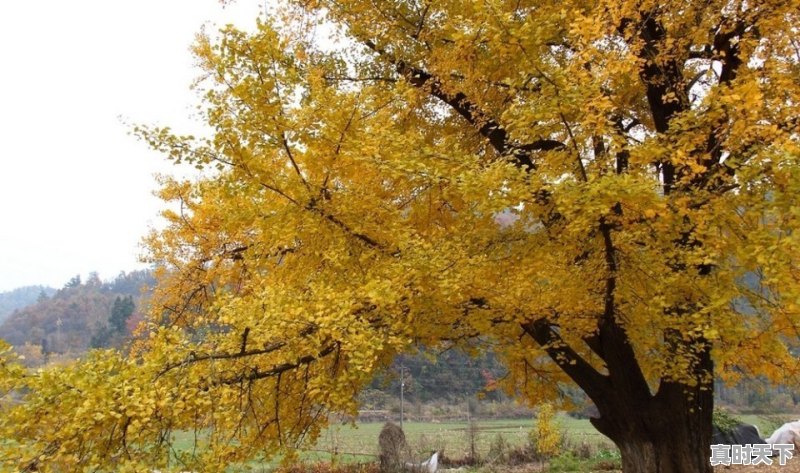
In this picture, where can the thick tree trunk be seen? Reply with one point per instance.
(668, 433)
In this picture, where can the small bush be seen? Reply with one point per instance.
(725, 421)
(608, 459)
(546, 436)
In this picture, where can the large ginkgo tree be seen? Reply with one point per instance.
(604, 192)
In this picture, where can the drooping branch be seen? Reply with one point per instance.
(194, 358)
(256, 374)
(312, 206)
(242, 353)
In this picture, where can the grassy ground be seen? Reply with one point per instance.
(345, 443)
(454, 438)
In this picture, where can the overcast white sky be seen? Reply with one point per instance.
(75, 188)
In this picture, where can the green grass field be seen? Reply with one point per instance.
(359, 443)
(347, 443)
(453, 438)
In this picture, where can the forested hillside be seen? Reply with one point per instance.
(449, 376)
(21, 297)
(79, 316)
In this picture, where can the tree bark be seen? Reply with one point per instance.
(666, 433)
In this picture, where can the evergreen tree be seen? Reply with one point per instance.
(120, 313)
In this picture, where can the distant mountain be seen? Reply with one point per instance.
(21, 297)
(79, 316)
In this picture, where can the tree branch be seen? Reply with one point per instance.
(616, 350)
(488, 127)
(660, 78)
(594, 384)
(277, 370)
(242, 353)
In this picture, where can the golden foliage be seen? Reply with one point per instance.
(542, 176)
(546, 436)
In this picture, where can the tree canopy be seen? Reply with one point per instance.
(604, 192)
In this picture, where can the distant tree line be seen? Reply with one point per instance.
(449, 376)
(456, 377)
(79, 316)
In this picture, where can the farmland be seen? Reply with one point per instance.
(454, 438)
(584, 446)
